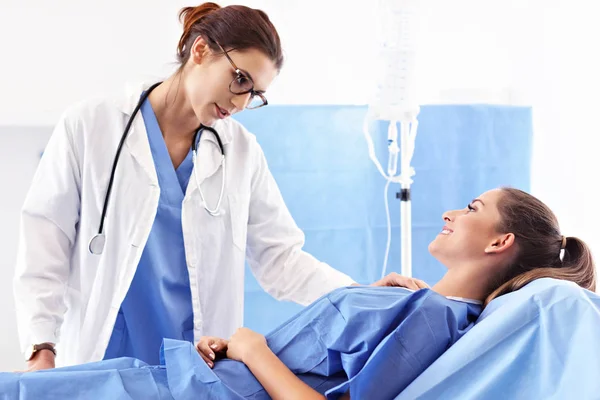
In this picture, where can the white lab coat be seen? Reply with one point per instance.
(68, 296)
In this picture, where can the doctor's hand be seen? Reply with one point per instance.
(211, 349)
(398, 280)
(42, 360)
(244, 343)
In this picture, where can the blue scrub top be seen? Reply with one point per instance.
(158, 304)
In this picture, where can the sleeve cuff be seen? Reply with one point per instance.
(44, 332)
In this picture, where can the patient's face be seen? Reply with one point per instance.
(467, 232)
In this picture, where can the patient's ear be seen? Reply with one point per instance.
(501, 244)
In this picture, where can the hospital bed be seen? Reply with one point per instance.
(541, 342)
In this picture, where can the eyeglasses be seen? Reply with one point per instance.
(243, 84)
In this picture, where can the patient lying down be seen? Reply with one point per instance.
(381, 339)
(357, 342)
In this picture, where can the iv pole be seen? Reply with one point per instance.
(396, 102)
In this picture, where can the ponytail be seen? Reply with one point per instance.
(577, 265)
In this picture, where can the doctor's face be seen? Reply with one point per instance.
(470, 234)
(214, 87)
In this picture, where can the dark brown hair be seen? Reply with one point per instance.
(233, 27)
(540, 243)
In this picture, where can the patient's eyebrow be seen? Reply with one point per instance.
(474, 200)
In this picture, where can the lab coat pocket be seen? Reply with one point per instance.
(238, 214)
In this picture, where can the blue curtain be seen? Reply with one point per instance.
(319, 158)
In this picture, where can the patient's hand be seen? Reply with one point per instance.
(211, 349)
(395, 279)
(245, 342)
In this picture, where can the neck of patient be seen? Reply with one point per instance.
(173, 111)
(467, 281)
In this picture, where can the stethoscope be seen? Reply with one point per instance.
(96, 245)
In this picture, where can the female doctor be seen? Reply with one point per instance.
(143, 209)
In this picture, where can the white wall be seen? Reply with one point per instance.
(62, 51)
(20, 149)
(534, 52)
(564, 91)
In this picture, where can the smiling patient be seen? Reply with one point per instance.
(356, 342)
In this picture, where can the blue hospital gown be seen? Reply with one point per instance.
(371, 341)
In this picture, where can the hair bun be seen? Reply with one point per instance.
(189, 16)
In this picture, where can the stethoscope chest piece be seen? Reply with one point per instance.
(96, 245)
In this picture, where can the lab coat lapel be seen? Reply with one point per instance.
(137, 143)
(209, 157)
(138, 146)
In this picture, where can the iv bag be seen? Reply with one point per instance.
(395, 94)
